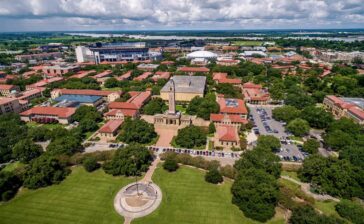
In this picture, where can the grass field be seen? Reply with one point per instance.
(327, 207)
(187, 198)
(81, 198)
(247, 43)
(291, 174)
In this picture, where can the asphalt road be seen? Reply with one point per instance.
(289, 150)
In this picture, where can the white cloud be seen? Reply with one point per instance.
(213, 14)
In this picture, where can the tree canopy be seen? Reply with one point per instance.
(298, 127)
(137, 131)
(190, 137)
(286, 113)
(25, 150)
(129, 161)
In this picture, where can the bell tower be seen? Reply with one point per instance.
(171, 98)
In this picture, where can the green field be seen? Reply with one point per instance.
(82, 198)
(291, 174)
(247, 43)
(187, 198)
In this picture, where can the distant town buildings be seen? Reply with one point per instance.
(109, 131)
(5, 90)
(60, 69)
(220, 77)
(40, 56)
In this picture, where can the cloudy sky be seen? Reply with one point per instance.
(52, 15)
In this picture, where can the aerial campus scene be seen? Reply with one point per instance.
(181, 112)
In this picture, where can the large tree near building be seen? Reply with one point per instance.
(190, 137)
(129, 161)
(203, 107)
(137, 131)
(285, 113)
(317, 117)
(155, 106)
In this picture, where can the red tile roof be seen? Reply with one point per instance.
(250, 85)
(122, 105)
(143, 76)
(167, 62)
(237, 107)
(61, 112)
(7, 87)
(82, 74)
(45, 82)
(193, 69)
(91, 92)
(126, 75)
(222, 78)
(227, 133)
(4, 100)
(357, 112)
(103, 74)
(111, 126)
(161, 75)
(125, 112)
(232, 117)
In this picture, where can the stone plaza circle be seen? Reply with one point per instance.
(129, 204)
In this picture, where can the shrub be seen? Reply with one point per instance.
(213, 176)
(9, 185)
(351, 210)
(170, 164)
(228, 171)
(90, 164)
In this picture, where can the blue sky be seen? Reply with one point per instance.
(53, 15)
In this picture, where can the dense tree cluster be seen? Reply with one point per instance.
(255, 190)
(203, 107)
(190, 137)
(311, 146)
(337, 177)
(88, 117)
(129, 161)
(9, 185)
(298, 127)
(25, 150)
(352, 211)
(12, 130)
(286, 113)
(307, 215)
(44, 171)
(137, 131)
(155, 106)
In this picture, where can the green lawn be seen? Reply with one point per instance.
(187, 198)
(327, 207)
(291, 174)
(12, 166)
(247, 43)
(81, 198)
(181, 109)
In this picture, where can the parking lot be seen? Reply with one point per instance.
(261, 115)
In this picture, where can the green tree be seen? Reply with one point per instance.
(203, 107)
(190, 137)
(44, 171)
(269, 142)
(213, 176)
(260, 158)
(354, 154)
(155, 106)
(90, 164)
(338, 139)
(25, 150)
(276, 90)
(11, 131)
(298, 127)
(9, 185)
(111, 83)
(311, 146)
(129, 161)
(39, 134)
(170, 164)
(307, 215)
(67, 145)
(87, 112)
(317, 117)
(137, 131)
(212, 128)
(299, 100)
(350, 210)
(255, 192)
(285, 113)
(227, 89)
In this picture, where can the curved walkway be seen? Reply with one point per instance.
(306, 188)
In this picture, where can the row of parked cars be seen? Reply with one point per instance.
(195, 152)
